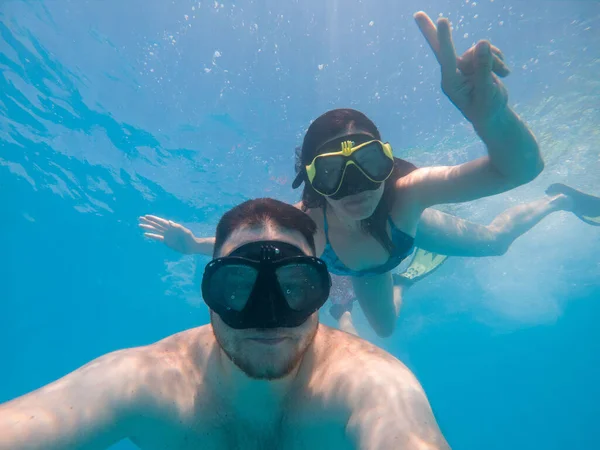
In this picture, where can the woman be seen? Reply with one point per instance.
(367, 204)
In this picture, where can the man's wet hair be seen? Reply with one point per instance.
(264, 211)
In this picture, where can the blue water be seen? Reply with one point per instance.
(113, 109)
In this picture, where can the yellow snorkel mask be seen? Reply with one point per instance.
(374, 159)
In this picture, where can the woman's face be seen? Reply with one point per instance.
(357, 197)
(358, 206)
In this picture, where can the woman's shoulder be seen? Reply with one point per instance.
(405, 209)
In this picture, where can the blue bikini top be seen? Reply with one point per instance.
(403, 246)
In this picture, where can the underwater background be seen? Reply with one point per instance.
(114, 109)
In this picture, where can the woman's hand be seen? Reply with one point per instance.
(470, 81)
(172, 234)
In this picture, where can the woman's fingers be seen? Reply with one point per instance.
(157, 224)
(466, 64)
(484, 61)
(151, 228)
(496, 51)
(499, 67)
(440, 40)
(429, 31)
(156, 219)
(447, 55)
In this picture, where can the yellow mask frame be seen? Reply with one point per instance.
(347, 150)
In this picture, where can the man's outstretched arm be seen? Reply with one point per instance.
(84, 410)
(391, 410)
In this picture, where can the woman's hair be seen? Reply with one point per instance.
(324, 128)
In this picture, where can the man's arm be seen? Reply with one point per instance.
(391, 411)
(86, 409)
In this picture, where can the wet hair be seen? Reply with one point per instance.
(323, 129)
(260, 212)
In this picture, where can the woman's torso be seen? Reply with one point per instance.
(352, 252)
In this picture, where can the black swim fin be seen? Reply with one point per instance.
(585, 206)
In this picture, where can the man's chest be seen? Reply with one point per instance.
(292, 432)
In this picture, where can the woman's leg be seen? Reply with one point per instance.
(342, 313)
(380, 301)
(345, 323)
(450, 235)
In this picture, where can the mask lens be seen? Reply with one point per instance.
(354, 182)
(328, 174)
(303, 285)
(374, 162)
(231, 285)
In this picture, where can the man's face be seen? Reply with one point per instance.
(263, 353)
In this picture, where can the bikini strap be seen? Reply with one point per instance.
(325, 224)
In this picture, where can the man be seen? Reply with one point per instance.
(263, 375)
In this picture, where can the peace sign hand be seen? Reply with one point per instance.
(470, 81)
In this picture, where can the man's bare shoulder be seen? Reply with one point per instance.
(133, 367)
(366, 382)
(184, 354)
(355, 365)
(170, 371)
(338, 345)
(189, 346)
(185, 345)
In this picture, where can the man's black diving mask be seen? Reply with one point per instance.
(265, 284)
